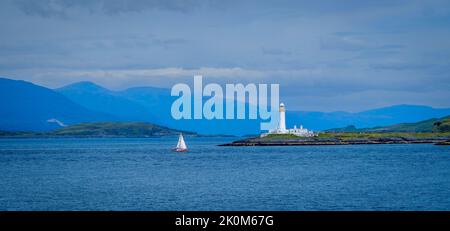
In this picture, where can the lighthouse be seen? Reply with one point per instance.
(281, 128)
(282, 122)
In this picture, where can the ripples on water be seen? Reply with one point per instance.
(143, 174)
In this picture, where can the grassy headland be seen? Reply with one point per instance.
(346, 138)
(428, 131)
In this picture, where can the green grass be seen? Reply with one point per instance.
(425, 126)
(443, 125)
(357, 135)
(114, 129)
(18, 134)
(350, 135)
(282, 136)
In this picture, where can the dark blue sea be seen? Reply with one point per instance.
(143, 174)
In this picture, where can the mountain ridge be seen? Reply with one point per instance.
(27, 106)
(429, 125)
(158, 101)
(90, 102)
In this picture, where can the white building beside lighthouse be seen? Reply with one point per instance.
(281, 128)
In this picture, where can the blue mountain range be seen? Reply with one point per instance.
(28, 107)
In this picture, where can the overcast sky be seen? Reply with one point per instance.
(326, 56)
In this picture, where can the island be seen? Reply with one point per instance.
(102, 129)
(435, 131)
(344, 139)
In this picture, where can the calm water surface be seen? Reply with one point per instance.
(143, 174)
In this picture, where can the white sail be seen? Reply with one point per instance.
(181, 144)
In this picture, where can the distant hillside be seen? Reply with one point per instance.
(349, 128)
(442, 125)
(430, 125)
(152, 105)
(116, 129)
(103, 129)
(366, 119)
(28, 107)
(18, 134)
(122, 104)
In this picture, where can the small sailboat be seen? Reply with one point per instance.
(181, 145)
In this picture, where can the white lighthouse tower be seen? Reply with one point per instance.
(281, 128)
(282, 122)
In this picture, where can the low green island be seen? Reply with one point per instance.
(435, 131)
(102, 129)
(346, 138)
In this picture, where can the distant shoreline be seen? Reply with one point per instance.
(100, 137)
(346, 139)
(105, 130)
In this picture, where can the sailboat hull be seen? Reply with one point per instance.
(179, 150)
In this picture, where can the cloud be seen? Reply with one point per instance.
(313, 49)
(169, 42)
(276, 52)
(175, 72)
(163, 77)
(124, 6)
(62, 8)
(313, 81)
(399, 66)
(45, 8)
(344, 41)
(353, 41)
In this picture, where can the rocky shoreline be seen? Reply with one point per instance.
(443, 143)
(337, 141)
